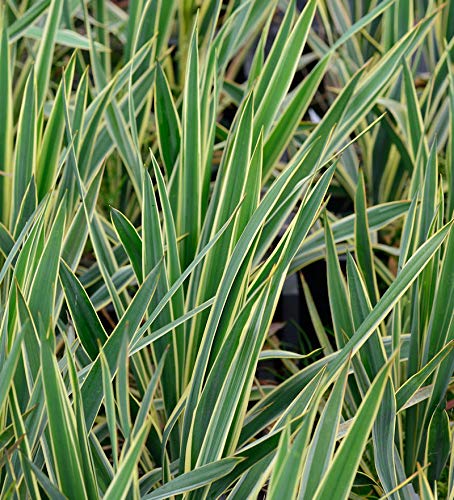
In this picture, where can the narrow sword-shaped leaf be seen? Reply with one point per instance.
(109, 405)
(189, 183)
(322, 445)
(286, 475)
(343, 229)
(130, 240)
(414, 383)
(25, 157)
(49, 152)
(6, 125)
(339, 300)
(363, 247)
(168, 122)
(194, 479)
(118, 488)
(6, 241)
(88, 326)
(46, 50)
(8, 368)
(46, 273)
(62, 427)
(337, 481)
(149, 339)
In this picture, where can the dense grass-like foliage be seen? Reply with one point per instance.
(165, 165)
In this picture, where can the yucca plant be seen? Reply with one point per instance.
(159, 182)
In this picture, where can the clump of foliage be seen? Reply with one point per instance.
(164, 166)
